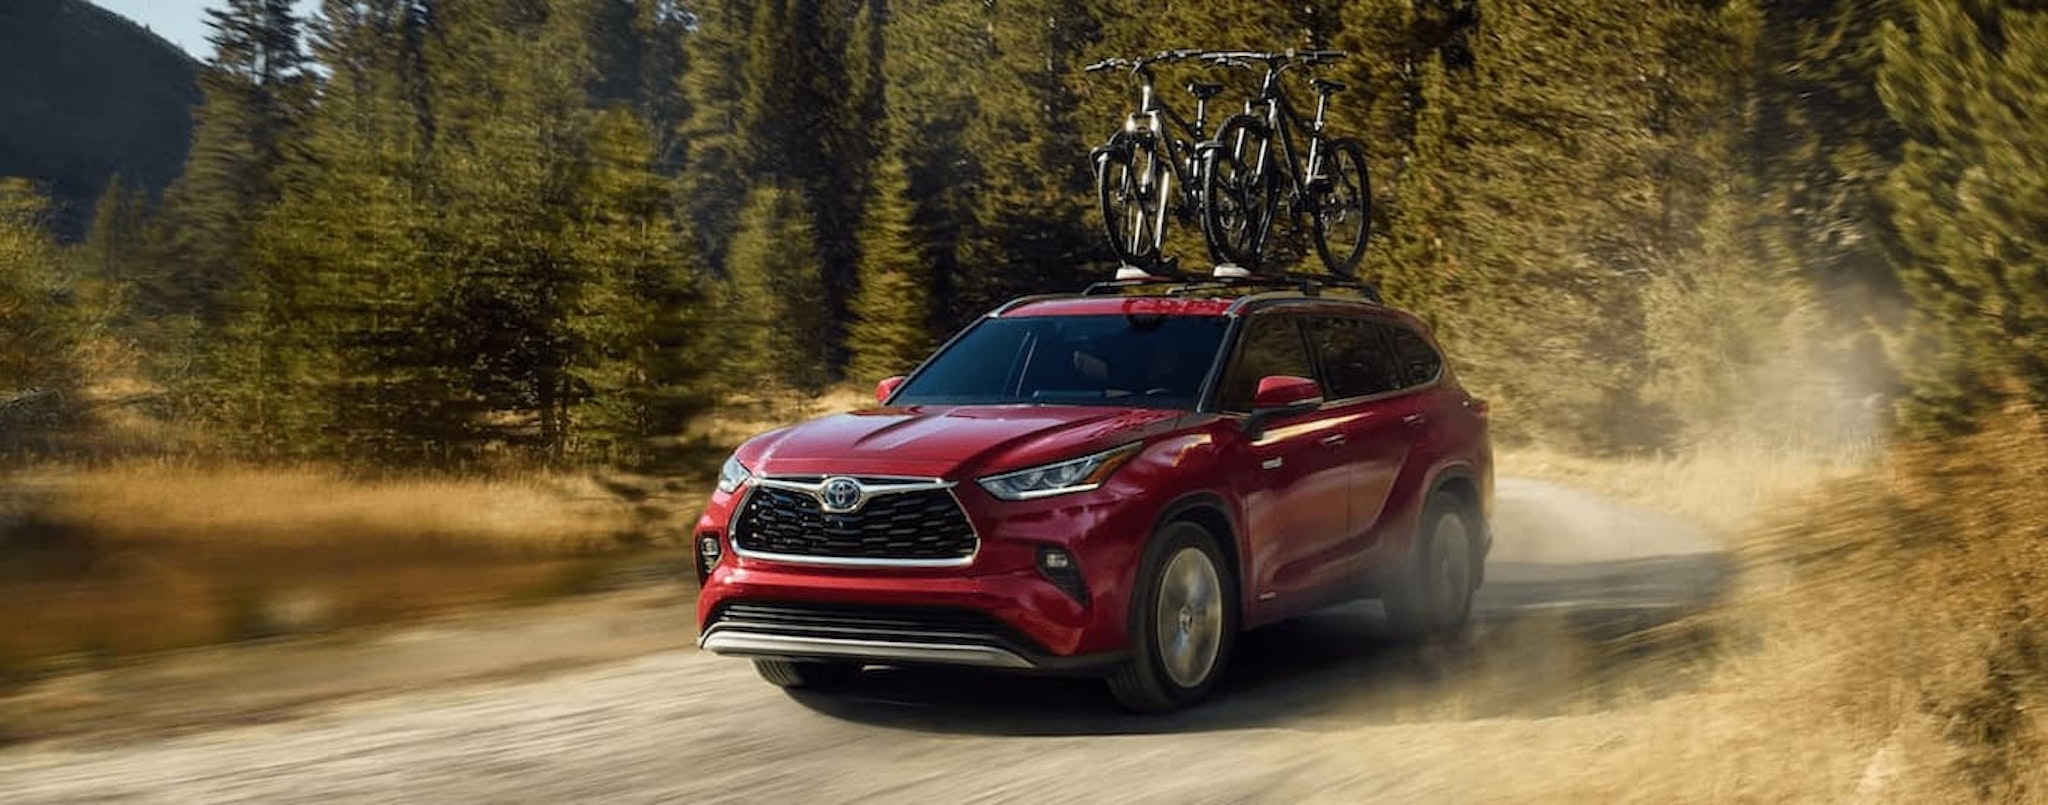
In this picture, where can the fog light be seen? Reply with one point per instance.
(1057, 566)
(707, 555)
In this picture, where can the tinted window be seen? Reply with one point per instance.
(1356, 356)
(1148, 361)
(1419, 363)
(1271, 346)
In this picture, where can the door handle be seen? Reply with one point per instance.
(1412, 420)
(1333, 440)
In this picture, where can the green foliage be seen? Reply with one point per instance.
(441, 232)
(892, 327)
(774, 313)
(36, 328)
(1968, 83)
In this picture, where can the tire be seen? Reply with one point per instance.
(807, 675)
(1342, 219)
(1431, 594)
(1183, 622)
(1239, 191)
(1128, 181)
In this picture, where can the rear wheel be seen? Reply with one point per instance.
(807, 675)
(1183, 622)
(1238, 192)
(1431, 594)
(1129, 183)
(1343, 208)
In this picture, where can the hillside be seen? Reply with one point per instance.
(85, 95)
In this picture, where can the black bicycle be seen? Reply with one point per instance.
(1137, 170)
(1244, 180)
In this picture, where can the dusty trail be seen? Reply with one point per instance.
(1317, 710)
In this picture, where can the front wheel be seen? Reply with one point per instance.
(1342, 208)
(1129, 185)
(1238, 191)
(807, 675)
(1183, 622)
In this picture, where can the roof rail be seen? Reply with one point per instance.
(1182, 283)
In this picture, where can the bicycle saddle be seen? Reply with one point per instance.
(1204, 91)
(1326, 86)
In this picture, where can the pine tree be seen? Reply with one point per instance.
(637, 367)
(204, 296)
(777, 327)
(927, 46)
(255, 91)
(1026, 229)
(1968, 83)
(892, 329)
(715, 169)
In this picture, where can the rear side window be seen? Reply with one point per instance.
(1358, 359)
(1419, 362)
(1271, 346)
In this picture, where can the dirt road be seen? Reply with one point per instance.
(1322, 709)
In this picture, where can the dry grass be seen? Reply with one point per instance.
(114, 554)
(134, 558)
(1888, 641)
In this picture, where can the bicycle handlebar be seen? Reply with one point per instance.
(1142, 61)
(1243, 58)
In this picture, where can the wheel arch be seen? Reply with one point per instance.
(1461, 481)
(1208, 510)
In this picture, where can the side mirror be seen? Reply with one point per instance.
(1280, 395)
(1281, 392)
(887, 387)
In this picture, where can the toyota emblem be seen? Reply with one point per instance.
(841, 494)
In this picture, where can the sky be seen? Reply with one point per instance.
(181, 21)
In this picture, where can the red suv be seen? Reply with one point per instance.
(1108, 484)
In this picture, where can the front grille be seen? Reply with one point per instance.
(922, 525)
(863, 622)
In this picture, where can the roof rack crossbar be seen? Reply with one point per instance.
(1179, 283)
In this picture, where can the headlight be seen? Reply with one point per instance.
(1074, 475)
(732, 475)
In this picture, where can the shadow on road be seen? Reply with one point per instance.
(1546, 640)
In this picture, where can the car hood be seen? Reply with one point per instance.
(948, 441)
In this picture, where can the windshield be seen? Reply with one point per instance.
(1144, 361)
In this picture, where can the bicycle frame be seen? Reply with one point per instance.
(1156, 125)
(1285, 122)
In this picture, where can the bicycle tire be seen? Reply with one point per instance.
(1349, 186)
(1239, 193)
(1122, 189)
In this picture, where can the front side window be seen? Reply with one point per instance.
(1357, 358)
(1143, 361)
(1271, 346)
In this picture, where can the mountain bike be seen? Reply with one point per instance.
(1137, 170)
(1244, 180)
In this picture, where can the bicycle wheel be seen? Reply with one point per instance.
(1128, 183)
(1342, 215)
(1238, 191)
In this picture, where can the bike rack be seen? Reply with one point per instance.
(1228, 277)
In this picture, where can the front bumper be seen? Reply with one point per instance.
(888, 635)
(1042, 625)
(745, 643)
